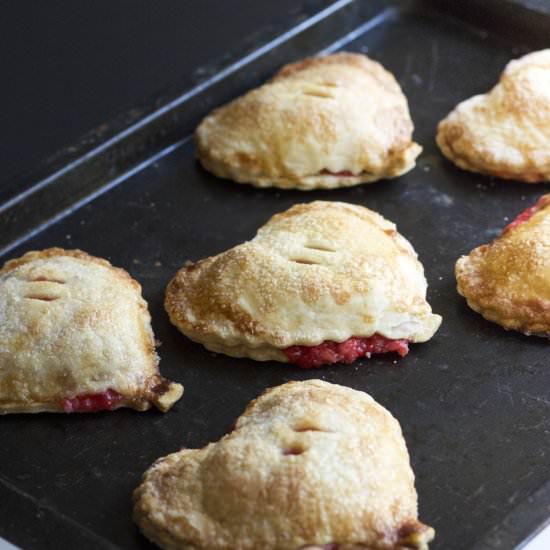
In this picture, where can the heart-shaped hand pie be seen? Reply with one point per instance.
(324, 122)
(320, 283)
(308, 463)
(506, 132)
(75, 336)
(508, 280)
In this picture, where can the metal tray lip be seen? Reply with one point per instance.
(59, 162)
(522, 532)
(540, 497)
(36, 185)
(49, 173)
(74, 155)
(71, 157)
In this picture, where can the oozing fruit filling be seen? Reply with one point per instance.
(348, 351)
(326, 172)
(92, 402)
(527, 214)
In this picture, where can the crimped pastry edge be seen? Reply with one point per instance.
(307, 182)
(157, 391)
(446, 148)
(486, 308)
(412, 534)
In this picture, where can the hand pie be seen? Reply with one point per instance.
(308, 463)
(75, 336)
(321, 283)
(506, 132)
(320, 123)
(508, 281)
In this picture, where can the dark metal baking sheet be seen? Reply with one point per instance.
(473, 402)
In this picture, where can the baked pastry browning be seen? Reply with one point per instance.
(309, 464)
(75, 336)
(323, 122)
(506, 132)
(329, 275)
(508, 280)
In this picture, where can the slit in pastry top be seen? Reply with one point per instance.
(323, 282)
(324, 122)
(75, 336)
(309, 465)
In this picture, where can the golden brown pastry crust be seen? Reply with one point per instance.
(319, 271)
(72, 324)
(508, 280)
(506, 132)
(309, 463)
(339, 113)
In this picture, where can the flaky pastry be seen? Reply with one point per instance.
(508, 280)
(75, 336)
(506, 132)
(320, 283)
(323, 122)
(308, 464)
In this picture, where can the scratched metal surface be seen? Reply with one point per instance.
(473, 402)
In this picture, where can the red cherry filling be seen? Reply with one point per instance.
(92, 402)
(527, 214)
(348, 351)
(326, 172)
